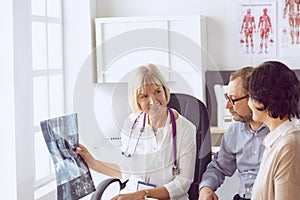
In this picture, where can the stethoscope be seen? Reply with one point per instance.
(175, 168)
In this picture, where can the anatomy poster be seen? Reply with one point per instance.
(257, 29)
(289, 27)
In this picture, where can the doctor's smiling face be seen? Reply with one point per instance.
(152, 99)
(237, 101)
(149, 91)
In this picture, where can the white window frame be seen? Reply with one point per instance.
(48, 72)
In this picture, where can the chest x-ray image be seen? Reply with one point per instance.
(73, 177)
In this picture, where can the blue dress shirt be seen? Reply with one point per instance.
(241, 149)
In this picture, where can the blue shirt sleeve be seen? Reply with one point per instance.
(241, 149)
(223, 165)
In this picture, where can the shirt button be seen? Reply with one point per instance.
(250, 176)
(254, 152)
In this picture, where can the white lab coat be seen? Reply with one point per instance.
(153, 157)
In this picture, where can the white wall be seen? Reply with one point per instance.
(222, 23)
(23, 98)
(8, 186)
(78, 40)
(17, 149)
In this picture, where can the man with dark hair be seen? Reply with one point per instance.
(241, 148)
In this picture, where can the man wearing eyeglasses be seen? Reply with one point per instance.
(241, 148)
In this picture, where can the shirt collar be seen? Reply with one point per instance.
(274, 135)
(247, 128)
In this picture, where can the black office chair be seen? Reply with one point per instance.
(195, 111)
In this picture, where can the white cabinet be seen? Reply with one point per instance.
(176, 44)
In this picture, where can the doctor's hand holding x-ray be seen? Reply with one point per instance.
(156, 167)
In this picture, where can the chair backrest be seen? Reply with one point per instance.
(195, 111)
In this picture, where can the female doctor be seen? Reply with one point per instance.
(158, 166)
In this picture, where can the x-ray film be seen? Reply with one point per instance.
(73, 176)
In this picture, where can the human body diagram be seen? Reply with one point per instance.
(265, 29)
(257, 31)
(248, 27)
(291, 11)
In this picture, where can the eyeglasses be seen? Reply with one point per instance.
(232, 101)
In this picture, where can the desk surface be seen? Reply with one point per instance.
(216, 130)
(216, 135)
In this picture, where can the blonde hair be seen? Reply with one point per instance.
(144, 75)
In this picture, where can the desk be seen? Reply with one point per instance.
(216, 135)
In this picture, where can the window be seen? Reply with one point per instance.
(47, 78)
